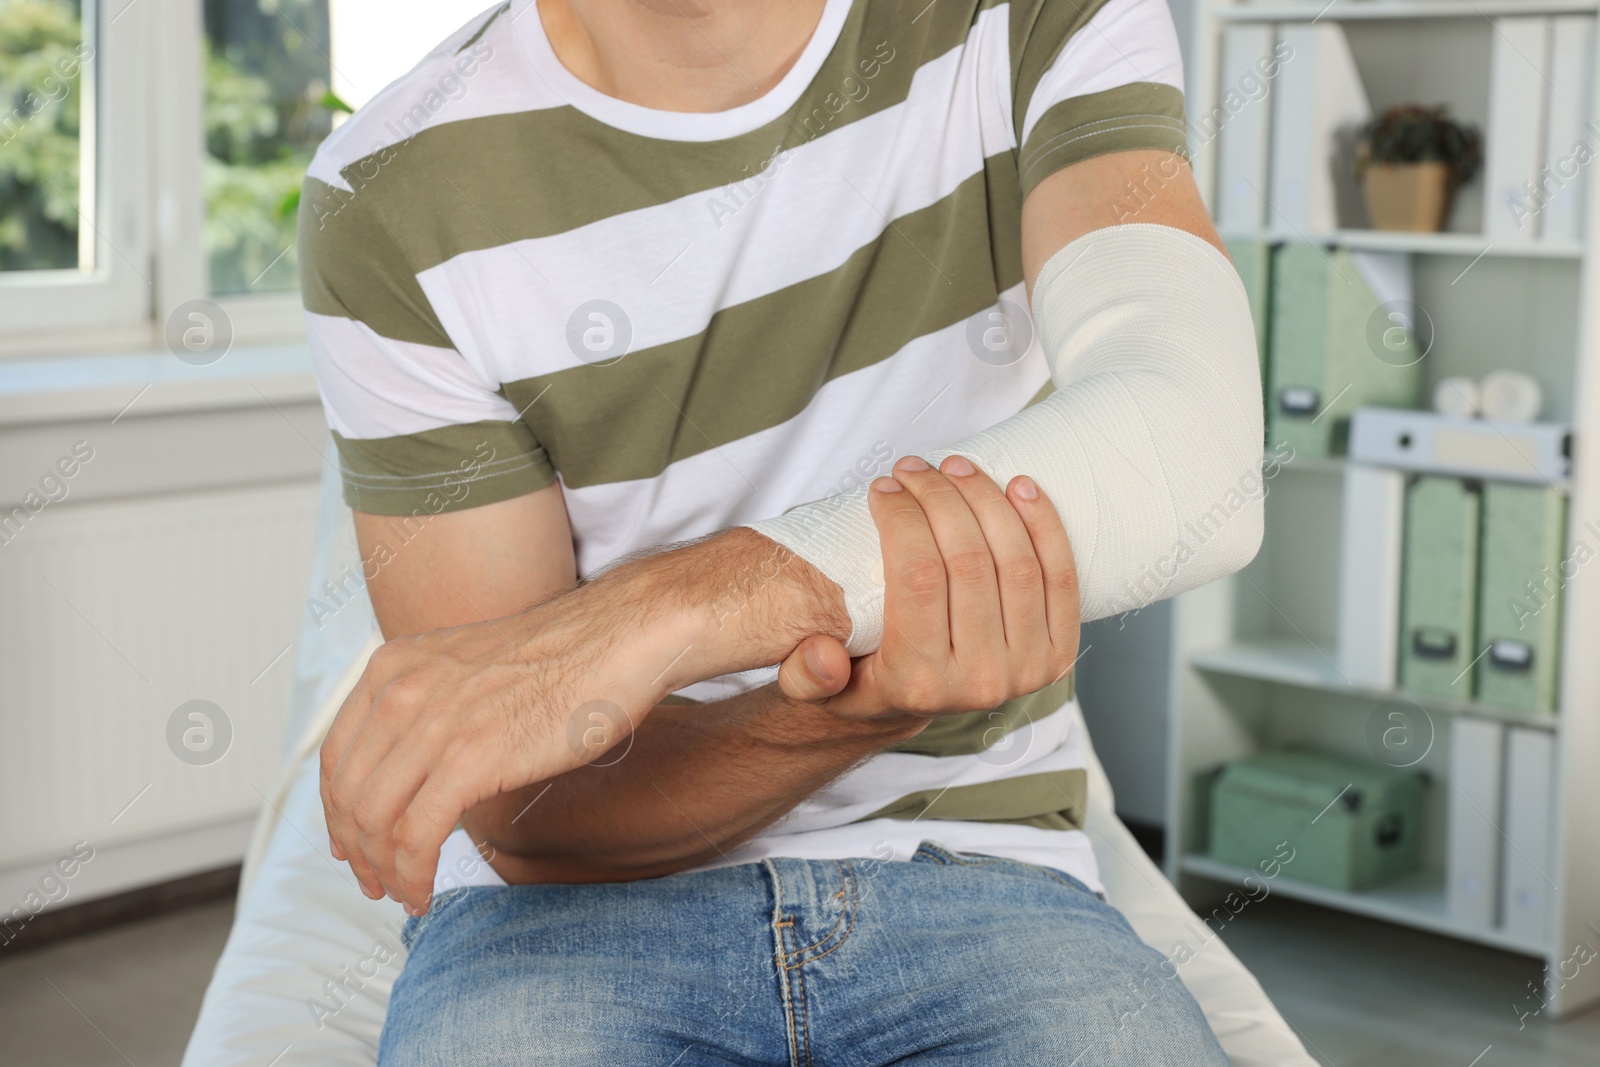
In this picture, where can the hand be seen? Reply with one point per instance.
(449, 718)
(445, 720)
(980, 600)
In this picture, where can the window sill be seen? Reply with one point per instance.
(152, 382)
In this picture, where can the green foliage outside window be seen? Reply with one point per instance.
(41, 56)
(267, 73)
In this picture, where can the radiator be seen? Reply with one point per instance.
(113, 616)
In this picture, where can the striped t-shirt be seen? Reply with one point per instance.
(694, 320)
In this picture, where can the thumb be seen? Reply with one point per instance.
(818, 668)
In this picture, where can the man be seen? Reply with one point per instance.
(605, 275)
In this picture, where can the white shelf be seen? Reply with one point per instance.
(1361, 10)
(1418, 901)
(1307, 464)
(1439, 244)
(1295, 661)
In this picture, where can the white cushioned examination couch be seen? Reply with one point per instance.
(307, 970)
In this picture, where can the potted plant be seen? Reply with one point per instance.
(1411, 159)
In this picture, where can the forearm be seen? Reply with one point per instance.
(726, 603)
(696, 780)
(1150, 447)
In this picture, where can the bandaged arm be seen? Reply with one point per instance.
(1150, 447)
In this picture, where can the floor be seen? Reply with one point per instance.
(119, 997)
(1369, 994)
(1361, 993)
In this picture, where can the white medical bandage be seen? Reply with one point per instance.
(1150, 447)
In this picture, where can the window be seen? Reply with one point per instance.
(267, 108)
(46, 168)
(120, 198)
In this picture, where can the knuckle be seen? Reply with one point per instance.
(985, 690)
(366, 819)
(1021, 572)
(408, 837)
(970, 564)
(1062, 579)
(919, 696)
(922, 576)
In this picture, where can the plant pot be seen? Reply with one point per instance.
(1414, 197)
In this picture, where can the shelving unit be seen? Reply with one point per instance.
(1382, 10)
(1253, 663)
(1417, 901)
(1440, 244)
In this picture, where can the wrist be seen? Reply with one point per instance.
(803, 724)
(732, 602)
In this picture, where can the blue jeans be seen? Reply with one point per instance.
(949, 958)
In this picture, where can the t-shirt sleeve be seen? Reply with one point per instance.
(1091, 77)
(419, 429)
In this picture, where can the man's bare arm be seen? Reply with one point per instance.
(444, 721)
(693, 781)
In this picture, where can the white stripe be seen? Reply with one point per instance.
(820, 203)
(877, 840)
(1125, 42)
(852, 419)
(374, 386)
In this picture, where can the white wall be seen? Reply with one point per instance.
(376, 41)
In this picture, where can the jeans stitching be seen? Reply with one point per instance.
(819, 942)
(848, 877)
(781, 925)
(805, 1013)
(791, 991)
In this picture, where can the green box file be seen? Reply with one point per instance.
(1327, 329)
(1352, 823)
(1439, 586)
(1253, 261)
(1519, 596)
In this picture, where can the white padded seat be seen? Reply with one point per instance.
(306, 973)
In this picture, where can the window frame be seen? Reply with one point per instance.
(148, 143)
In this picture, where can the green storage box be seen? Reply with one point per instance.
(1352, 823)
(1439, 587)
(1519, 596)
(1326, 328)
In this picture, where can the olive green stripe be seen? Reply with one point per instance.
(444, 469)
(1139, 115)
(1058, 798)
(349, 268)
(759, 363)
(519, 187)
(495, 14)
(1039, 31)
(980, 731)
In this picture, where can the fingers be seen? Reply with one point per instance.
(977, 632)
(420, 833)
(1054, 551)
(383, 798)
(818, 668)
(916, 604)
(1017, 570)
